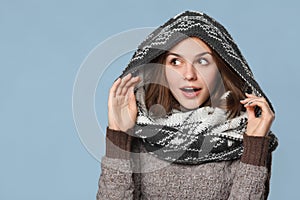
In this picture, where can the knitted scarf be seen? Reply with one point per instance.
(204, 134)
(194, 137)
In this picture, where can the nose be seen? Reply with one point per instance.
(190, 73)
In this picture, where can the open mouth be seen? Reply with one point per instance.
(190, 89)
(190, 92)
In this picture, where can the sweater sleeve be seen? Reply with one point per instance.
(116, 176)
(252, 173)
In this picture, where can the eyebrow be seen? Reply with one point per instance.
(198, 55)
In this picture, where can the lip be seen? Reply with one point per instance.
(191, 94)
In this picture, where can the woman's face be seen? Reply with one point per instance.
(191, 72)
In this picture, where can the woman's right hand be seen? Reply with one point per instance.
(122, 108)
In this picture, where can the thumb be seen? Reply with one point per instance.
(131, 96)
(250, 112)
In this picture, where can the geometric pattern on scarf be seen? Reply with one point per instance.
(194, 137)
(195, 24)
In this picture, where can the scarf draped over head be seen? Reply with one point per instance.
(204, 134)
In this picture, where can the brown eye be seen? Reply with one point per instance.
(175, 61)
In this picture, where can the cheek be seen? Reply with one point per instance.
(172, 76)
(210, 77)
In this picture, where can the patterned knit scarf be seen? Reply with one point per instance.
(194, 137)
(204, 134)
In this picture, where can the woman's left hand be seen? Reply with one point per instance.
(258, 126)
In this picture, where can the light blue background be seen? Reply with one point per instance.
(42, 45)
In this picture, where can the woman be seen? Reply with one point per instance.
(182, 123)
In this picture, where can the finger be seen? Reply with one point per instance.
(250, 112)
(112, 94)
(113, 89)
(250, 95)
(254, 102)
(266, 111)
(255, 98)
(132, 103)
(131, 96)
(247, 100)
(123, 83)
(130, 84)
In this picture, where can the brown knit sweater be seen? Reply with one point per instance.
(142, 176)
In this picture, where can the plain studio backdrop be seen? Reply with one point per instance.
(43, 45)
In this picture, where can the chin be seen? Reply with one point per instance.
(189, 107)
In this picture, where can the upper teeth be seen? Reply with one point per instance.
(189, 89)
